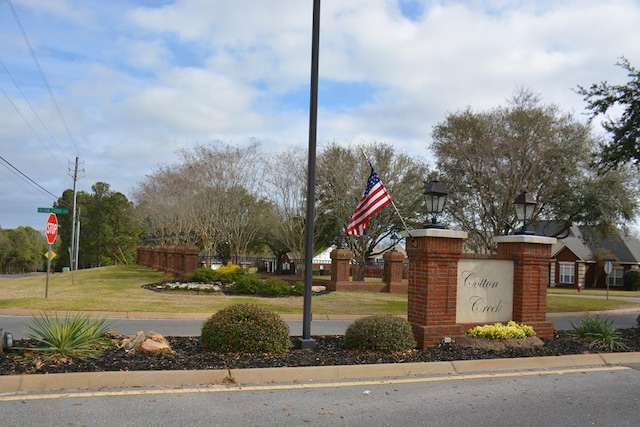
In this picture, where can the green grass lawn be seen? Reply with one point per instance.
(119, 288)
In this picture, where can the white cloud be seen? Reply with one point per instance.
(138, 80)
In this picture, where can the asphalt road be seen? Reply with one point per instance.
(604, 396)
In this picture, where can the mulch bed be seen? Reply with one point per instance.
(329, 350)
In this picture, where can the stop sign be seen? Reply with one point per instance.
(52, 228)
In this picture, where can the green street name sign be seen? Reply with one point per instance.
(62, 211)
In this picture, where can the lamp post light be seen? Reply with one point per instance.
(342, 239)
(525, 205)
(435, 196)
(394, 241)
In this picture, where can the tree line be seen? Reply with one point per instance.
(233, 201)
(22, 250)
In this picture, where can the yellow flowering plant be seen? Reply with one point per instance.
(498, 331)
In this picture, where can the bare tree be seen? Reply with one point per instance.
(214, 190)
(286, 179)
(341, 177)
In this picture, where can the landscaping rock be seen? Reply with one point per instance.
(151, 342)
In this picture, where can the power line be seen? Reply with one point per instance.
(44, 78)
(20, 174)
(35, 113)
(27, 123)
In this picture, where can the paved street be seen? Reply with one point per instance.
(17, 325)
(603, 396)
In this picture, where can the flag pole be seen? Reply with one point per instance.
(404, 224)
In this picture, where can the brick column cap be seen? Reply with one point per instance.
(393, 256)
(341, 254)
(435, 232)
(525, 238)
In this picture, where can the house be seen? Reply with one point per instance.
(577, 260)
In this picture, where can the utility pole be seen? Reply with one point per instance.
(73, 252)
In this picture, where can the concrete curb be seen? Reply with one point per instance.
(98, 380)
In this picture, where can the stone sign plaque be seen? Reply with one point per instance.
(485, 291)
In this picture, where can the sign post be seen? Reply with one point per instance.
(51, 231)
(608, 268)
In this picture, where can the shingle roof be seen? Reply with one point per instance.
(583, 240)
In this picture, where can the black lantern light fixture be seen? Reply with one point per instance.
(394, 241)
(342, 239)
(435, 196)
(525, 205)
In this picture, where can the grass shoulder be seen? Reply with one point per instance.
(119, 288)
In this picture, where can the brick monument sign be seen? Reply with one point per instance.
(450, 291)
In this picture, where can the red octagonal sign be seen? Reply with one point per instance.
(52, 228)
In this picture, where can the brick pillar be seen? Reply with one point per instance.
(531, 256)
(340, 267)
(433, 284)
(393, 267)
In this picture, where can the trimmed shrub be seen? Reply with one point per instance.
(226, 274)
(245, 328)
(278, 287)
(203, 275)
(386, 333)
(498, 331)
(631, 280)
(297, 289)
(249, 284)
(229, 273)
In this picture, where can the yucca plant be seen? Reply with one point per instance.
(598, 332)
(76, 337)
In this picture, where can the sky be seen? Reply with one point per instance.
(124, 84)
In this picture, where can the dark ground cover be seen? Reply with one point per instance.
(329, 350)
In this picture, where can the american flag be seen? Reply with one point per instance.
(375, 197)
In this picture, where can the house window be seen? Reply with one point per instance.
(616, 277)
(567, 273)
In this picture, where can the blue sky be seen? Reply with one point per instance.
(136, 80)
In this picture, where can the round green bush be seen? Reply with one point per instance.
(380, 333)
(631, 280)
(249, 284)
(297, 289)
(203, 275)
(276, 288)
(245, 328)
